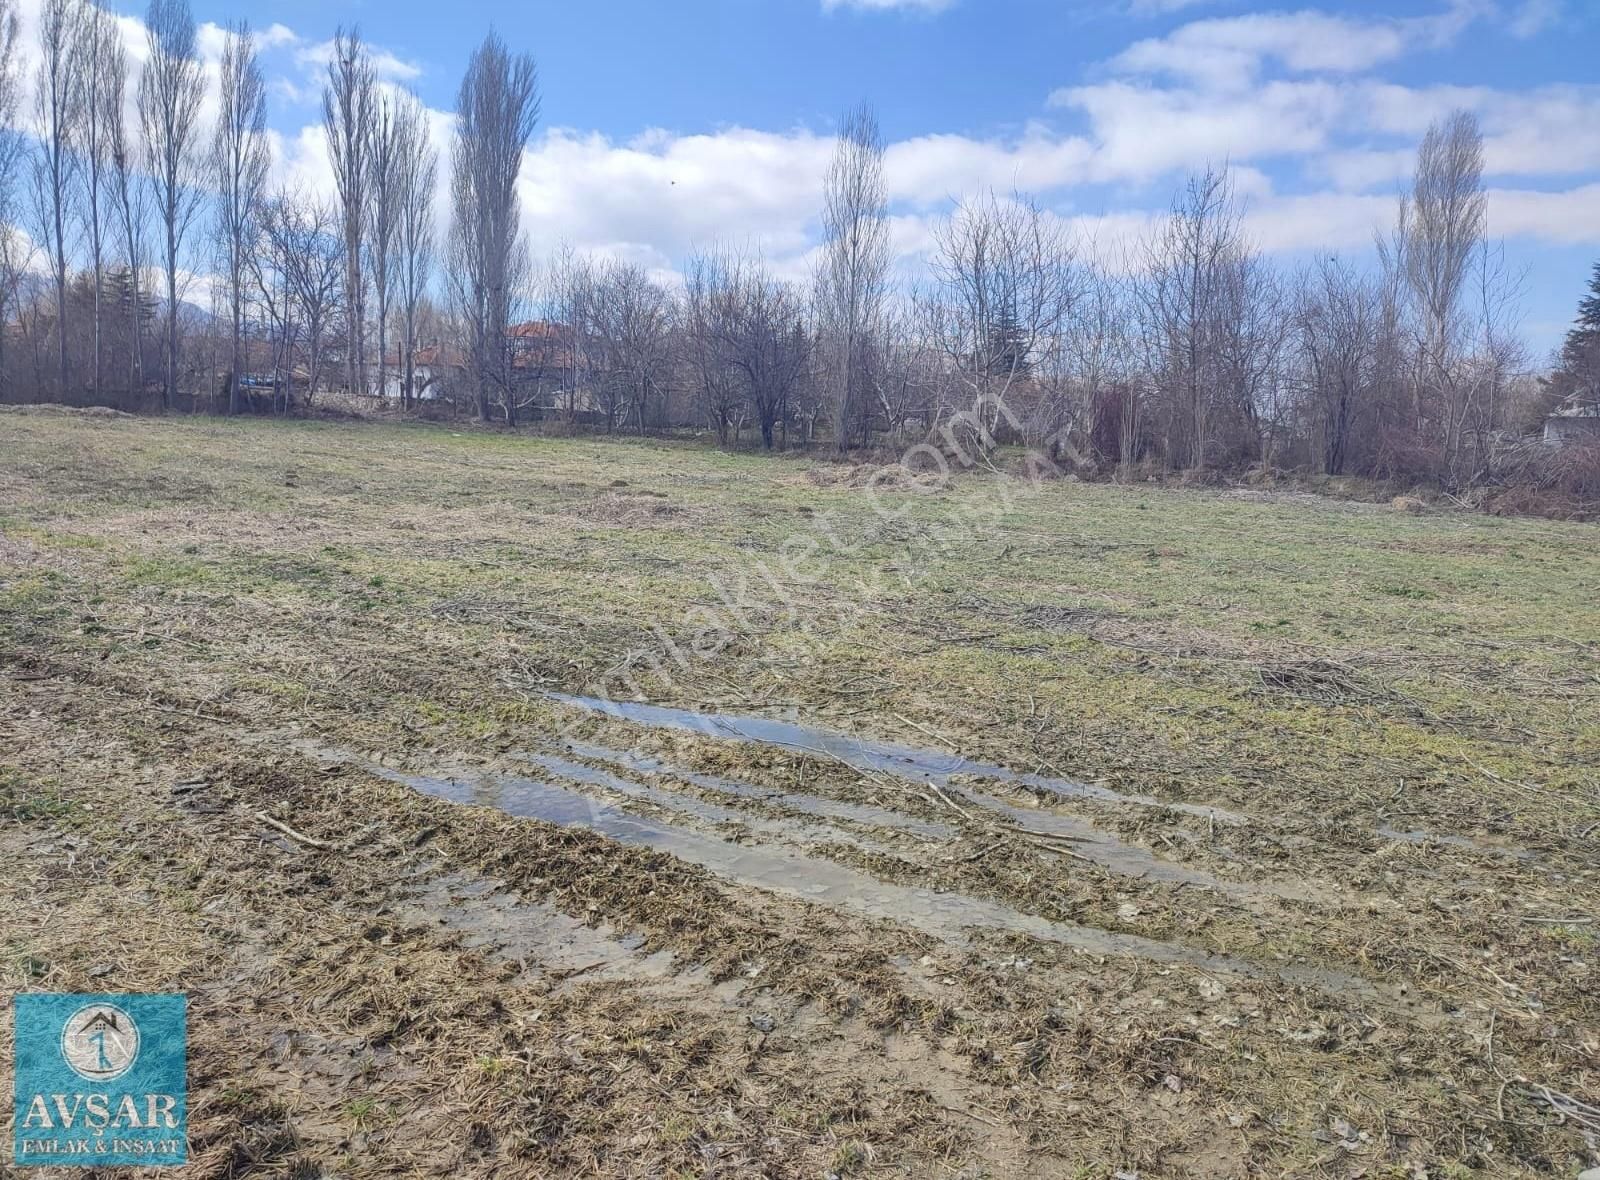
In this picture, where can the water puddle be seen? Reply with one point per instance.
(1088, 842)
(1130, 860)
(947, 916)
(866, 754)
(1417, 836)
(688, 805)
(880, 817)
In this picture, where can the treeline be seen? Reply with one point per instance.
(1184, 350)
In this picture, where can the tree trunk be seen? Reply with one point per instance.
(408, 384)
(169, 388)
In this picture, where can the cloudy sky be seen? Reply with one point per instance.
(670, 123)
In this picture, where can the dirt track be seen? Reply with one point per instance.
(1237, 837)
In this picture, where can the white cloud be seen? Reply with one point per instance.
(386, 64)
(1357, 170)
(1356, 132)
(1228, 52)
(1532, 17)
(659, 196)
(1338, 221)
(931, 168)
(300, 162)
(1318, 221)
(1141, 131)
(276, 36)
(1568, 218)
(1551, 130)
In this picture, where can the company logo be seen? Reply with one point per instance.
(100, 1042)
(100, 1080)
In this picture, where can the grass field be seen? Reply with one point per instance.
(1344, 924)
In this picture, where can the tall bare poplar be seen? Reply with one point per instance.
(11, 151)
(1442, 222)
(58, 109)
(103, 63)
(128, 192)
(170, 90)
(383, 212)
(855, 267)
(416, 176)
(497, 108)
(347, 107)
(239, 163)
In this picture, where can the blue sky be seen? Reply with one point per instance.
(670, 124)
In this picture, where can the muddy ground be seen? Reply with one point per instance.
(1001, 829)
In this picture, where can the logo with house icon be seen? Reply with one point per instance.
(100, 1042)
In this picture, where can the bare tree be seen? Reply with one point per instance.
(347, 109)
(1442, 224)
(1183, 292)
(383, 212)
(908, 372)
(497, 108)
(304, 236)
(1006, 280)
(239, 161)
(1495, 357)
(415, 178)
(1253, 326)
(1101, 352)
(268, 266)
(128, 187)
(104, 67)
(58, 109)
(750, 344)
(719, 388)
(13, 249)
(855, 267)
(631, 317)
(170, 90)
(570, 299)
(1336, 321)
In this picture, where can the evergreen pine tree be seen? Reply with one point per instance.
(1589, 307)
(1008, 343)
(1577, 375)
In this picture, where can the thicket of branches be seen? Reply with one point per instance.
(1184, 350)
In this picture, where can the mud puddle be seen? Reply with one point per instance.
(948, 916)
(1130, 860)
(866, 754)
(1088, 842)
(788, 831)
(809, 804)
(1418, 836)
(536, 936)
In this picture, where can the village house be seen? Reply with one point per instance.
(540, 359)
(1573, 422)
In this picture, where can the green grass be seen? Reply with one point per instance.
(24, 801)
